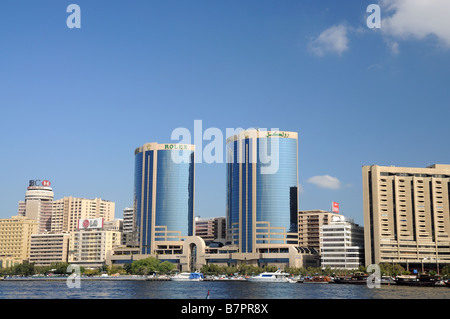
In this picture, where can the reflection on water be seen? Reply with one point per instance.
(217, 290)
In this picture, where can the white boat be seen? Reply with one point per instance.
(187, 276)
(277, 276)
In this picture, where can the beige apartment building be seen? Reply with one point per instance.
(15, 237)
(91, 247)
(406, 215)
(69, 210)
(47, 249)
(309, 224)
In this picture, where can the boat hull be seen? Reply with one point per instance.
(266, 280)
(350, 282)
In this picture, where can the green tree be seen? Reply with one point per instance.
(145, 267)
(114, 269)
(59, 268)
(24, 269)
(166, 267)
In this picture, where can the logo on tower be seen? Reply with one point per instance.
(38, 182)
(46, 183)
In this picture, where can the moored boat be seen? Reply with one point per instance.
(317, 280)
(277, 276)
(415, 280)
(357, 279)
(188, 276)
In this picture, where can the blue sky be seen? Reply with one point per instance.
(75, 103)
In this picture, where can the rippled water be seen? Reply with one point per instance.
(217, 290)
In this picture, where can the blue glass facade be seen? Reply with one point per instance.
(163, 196)
(174, 194)
(274, 195)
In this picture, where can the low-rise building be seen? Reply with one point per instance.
(48, 249)
(192, 253)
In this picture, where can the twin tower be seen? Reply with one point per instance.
(262, 191)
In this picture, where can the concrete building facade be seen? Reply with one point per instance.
(192, 253)
(210, 229)
(48, 249)
(309, 224)
(15, 239)
(406, 215)
(90, 248)
(66, 212)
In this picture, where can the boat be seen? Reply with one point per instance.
(356, 279)
(187, 276)
(447, 283)
(416, 280)
(317, 280)
(277, 276)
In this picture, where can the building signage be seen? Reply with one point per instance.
(90, 223)
(175, 147)
(38, 182)
(277, 134)
(335, 207)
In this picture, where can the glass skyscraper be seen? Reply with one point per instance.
(163, 194)
(262, 189)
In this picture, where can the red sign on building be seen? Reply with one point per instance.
(335, 207)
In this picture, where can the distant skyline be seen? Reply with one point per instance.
(75, 103)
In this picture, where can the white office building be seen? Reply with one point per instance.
(342, 244)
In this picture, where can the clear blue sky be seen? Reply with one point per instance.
(75, 103)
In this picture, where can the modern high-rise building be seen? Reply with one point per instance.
(67, 211)
(38, 204)
(163, 194)
(406, 215)
(262, 189)
(342, 244)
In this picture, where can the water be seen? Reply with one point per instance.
(217, 290)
